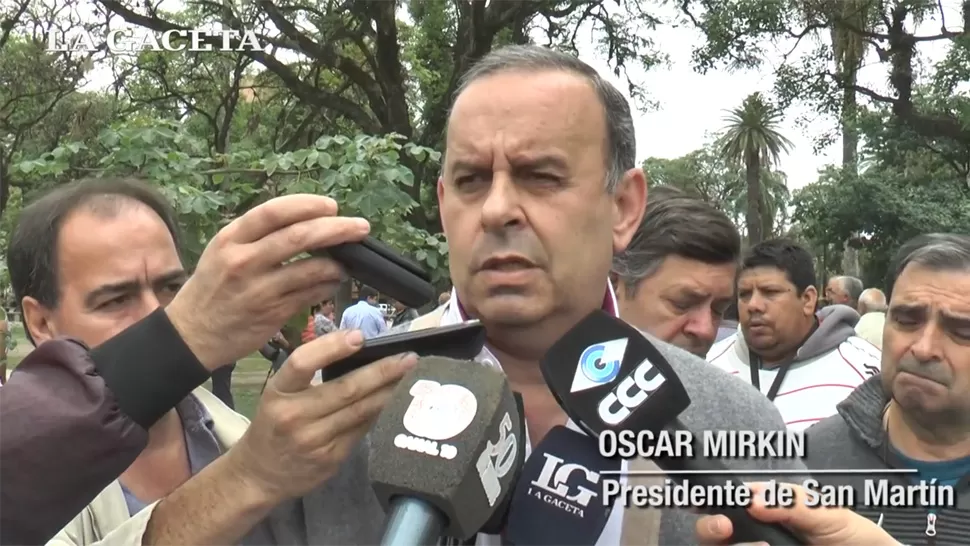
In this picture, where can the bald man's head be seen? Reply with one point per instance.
(872, 300)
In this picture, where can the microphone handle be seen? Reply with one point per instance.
(413, 522)
(746, 528)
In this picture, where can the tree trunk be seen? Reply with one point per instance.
(850, 161)
(342, 300)
(752, 174)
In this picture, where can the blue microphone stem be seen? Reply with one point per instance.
(412, 522)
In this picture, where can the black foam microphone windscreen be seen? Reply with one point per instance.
(443, 453)
(558, 500)
(607, 376)
(603, 371)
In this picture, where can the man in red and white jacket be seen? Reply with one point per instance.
(805, 363)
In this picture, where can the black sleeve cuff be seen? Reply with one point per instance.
(148, 368)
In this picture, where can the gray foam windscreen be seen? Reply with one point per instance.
(448, 436)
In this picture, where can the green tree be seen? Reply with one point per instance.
(705, 174)
(904, 189)
(365, 175)
(751, 139)
(392, 67)
(823, 39)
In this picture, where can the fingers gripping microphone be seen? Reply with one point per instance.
(443, 452)
(607, 376)
(557, 501)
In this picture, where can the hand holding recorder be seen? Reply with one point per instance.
(301, 434)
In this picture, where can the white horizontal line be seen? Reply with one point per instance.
(757, 472)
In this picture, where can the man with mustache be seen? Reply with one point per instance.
(803, 362)
(916, 414)
(676, 278)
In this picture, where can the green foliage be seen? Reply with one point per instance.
(365, 175)
(885, 206)
(705, 174)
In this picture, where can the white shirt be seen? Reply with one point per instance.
(613, 531)
(812, 388)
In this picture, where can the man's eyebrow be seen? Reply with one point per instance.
(131, 286)
(960, 321)
(115, 288)
(468, 166)
(541, 162)
(907, 309)
(170, 277)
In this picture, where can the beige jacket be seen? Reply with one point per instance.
(106, 522)
(870, 327)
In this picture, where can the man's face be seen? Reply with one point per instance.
(530, 227)
(926, 346)
(682, 303)
(113, 270)
(772, 313)
(835, 294)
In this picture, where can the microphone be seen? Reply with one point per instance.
(444, 451)
(607, 376)
(496, 524)
(557, 501)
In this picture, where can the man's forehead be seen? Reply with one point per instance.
(95, 249)
(766, 274)
(525, 111)
(919, 286)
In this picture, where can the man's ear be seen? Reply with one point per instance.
(441, 195)
(809, 300)
(629, 202)
(37, 321)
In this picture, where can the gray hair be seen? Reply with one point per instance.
(621, 143)
(935, 251)
(674, 224)
(852, 286)
(872, 300)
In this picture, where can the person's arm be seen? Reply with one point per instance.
(232, 506)
(380, 323)
(72, 420)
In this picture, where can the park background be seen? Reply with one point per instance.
(844, 124)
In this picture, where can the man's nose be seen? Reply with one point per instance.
(148, 302)
(501, 208)
(756, 303)
(702, 325)
(928, 347)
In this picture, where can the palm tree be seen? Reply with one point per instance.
(751, 139)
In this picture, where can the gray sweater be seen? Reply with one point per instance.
(855, 438)
(345, 511)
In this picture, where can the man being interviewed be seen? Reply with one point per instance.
(805, 363)
(539, 189)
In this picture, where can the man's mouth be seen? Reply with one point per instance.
(510, 263)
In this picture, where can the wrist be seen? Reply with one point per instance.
(257, 491)
(253, 493)
(194, 336)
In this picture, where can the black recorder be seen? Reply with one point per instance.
(380, 267)
(460, 341)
